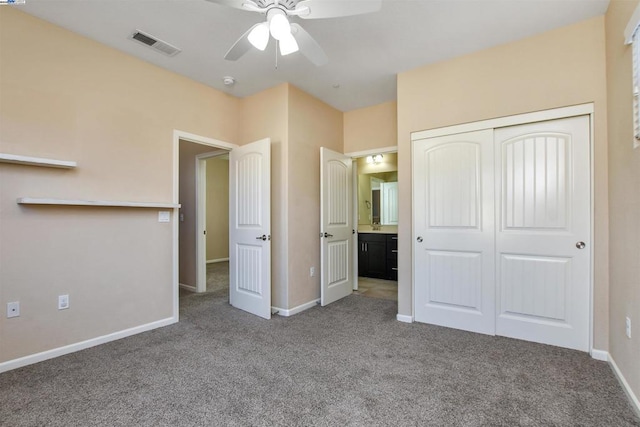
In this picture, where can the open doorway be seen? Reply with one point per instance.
(249, 224)
(203, 193)
(377, 219)
(213, 208)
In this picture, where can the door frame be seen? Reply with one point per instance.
(354, 155)
(521, 119)
(201, 216)
(197, 139)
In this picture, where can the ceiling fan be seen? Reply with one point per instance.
(291, 37)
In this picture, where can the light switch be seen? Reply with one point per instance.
(164, 216)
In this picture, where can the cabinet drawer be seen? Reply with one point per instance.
(392, 246)
(372, 237)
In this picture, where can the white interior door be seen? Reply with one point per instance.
(454, 231)
(250, 228)
(543, 209)
(336, 226)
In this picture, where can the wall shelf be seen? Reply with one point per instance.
(37, 161)
(96, 203)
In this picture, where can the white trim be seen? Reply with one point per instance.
(37, 161)
(633, 399)
(404, 318)
(286, 313)
(97, 203)
(198, 139)
(537, 116)
(592, 227)
(60, 351)
(364, 153)
(599, 355)
(632, 25)
(356, 223)
(188, 287)
(211, 261)
(202, 140)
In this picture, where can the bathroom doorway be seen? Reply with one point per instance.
(377, 225)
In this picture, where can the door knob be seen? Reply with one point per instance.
(263, 237)
(419, 239)
(580, 245)
(328, 235)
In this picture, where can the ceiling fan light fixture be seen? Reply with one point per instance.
(279, 25)
(288, 45)
(259, 36)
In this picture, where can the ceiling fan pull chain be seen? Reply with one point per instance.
(277, 47)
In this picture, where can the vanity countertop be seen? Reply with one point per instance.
(385, 229)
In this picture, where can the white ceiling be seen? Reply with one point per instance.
(365, 52)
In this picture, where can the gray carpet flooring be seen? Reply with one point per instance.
(217, 276)
(350, 363)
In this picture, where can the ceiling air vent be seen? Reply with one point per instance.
(155, 43)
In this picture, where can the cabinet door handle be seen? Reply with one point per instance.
(394, 237)
(395, 251)
(394, 268)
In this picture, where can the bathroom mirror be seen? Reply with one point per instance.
(378, 191)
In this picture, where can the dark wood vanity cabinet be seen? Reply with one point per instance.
(378, 255)
(392, 256)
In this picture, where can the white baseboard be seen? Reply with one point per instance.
(635, 403)
(188, 287)
(404, 318)
(600, 355)
(211, 261)
(71, 348)
(295, 310)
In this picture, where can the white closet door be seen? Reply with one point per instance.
(454, 231)
(543, 232)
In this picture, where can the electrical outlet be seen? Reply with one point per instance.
(63, 302)
(312, 271)
(628, 327)
(164, 216)
(13, 309)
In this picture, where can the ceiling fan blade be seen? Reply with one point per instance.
(236, 4)
(318, 9)
(241, 46)
(308, 46)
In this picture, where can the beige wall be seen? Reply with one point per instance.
(298, 126)
(217, 208)
(187, 196)
(624, 198)
(265, 115)
(312, 124)
(66, 97)
(554, 69)
(371, 127)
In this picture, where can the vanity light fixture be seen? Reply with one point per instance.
(375, 159)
